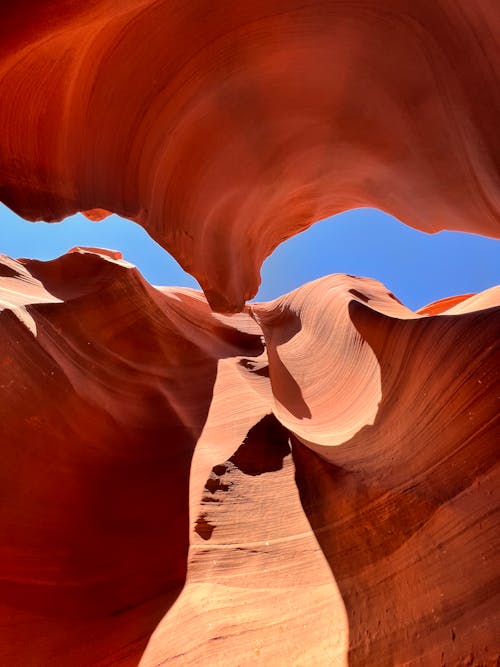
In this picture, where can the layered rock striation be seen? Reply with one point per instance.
(225, 129)
(181, 487)
(190, 480)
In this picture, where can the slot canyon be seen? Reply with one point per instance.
(189, 477)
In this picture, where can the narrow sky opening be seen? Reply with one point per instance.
(417, 267)
(42, 240)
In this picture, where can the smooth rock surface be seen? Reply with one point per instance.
(313, 481)
(309, 481)
(225, 128)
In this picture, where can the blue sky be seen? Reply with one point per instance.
(417, 267)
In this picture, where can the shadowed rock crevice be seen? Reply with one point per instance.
(262, 451)
(204, 528)
(264, 448)
(258, 368)
(403, 510)
(280, 326)
(116, 389)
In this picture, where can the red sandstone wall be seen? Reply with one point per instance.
(138, 464)
(311, 481)
(224, 128)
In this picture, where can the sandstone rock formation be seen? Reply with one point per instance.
(301, 511)
(190, 480)
(224, 128)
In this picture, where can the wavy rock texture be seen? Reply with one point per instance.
(224, 128)
(179, 487)
(310, 481)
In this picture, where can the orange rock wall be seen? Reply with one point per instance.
(226, 128)
(153, 449)
(310, 481)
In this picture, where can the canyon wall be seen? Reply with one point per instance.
(189, 479)
(312, 478)
(225, 128)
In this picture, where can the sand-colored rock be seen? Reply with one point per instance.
(104, 393)
(224, 128)
(313, 481)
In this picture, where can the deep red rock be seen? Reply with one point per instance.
(142, 458)
(311, 481)
(225, 129)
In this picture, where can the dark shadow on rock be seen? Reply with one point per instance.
(392, 481)
(359, 295)
(255, 367)
(204, 528)
(264, 448)
(262, 451)
(114, 398)
(279, 328)
(8, 271)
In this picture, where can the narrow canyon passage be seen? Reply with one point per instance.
(190, 477)
(179, 484)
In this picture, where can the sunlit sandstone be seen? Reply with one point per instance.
(182, 487)
(310, 481)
